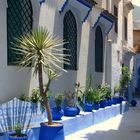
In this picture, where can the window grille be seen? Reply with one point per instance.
(98, 50)
(125, 27)
(116, 15)
(19, 22)
(70, 36)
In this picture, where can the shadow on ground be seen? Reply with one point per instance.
(129, 128)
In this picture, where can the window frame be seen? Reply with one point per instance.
(72, 57)
(99, 51)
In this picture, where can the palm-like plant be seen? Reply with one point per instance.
(40, 50)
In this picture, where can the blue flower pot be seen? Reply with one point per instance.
(57, 113)
(115, 100)
(120, 100)
(96, 106)
(133, 103)
(109, 102)
(71, 111)
(14, 137)
(88, 107)
(78, 110)
(51, 132)
(103, 104)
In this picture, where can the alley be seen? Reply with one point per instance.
(122, 127)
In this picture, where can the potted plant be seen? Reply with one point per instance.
(71, 109)
(40, 50)
(88, 105)
(57, 112)
(124, 81)
(35, 98)
(103, 91)
(108, 94)
(18, 134)
(96, 99)
(24, 97)
(117, 90)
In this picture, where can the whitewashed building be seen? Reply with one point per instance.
(98, 36)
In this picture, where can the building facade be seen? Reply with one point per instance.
(98, 34)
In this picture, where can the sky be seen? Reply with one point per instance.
(136, 2)
(136, 12)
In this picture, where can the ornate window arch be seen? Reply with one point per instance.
(70, 36)
(19, 22)
(98, 49)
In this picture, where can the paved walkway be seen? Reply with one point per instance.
(122, 127)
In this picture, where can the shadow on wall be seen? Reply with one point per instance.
(128, 129)
(15, 83)
(67, 80)
(97, 77)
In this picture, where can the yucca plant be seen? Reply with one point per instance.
(42, 51)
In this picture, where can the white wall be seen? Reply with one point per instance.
(14, 82)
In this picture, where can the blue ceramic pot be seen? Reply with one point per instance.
(51, 132)
(103, 104)
(14, 137)
(88, 107)
(115, 100)
(133, 103)
(96, 106)
(71, 111)
(57, 113)
(120, 99)
(78, 110)
(109, 102)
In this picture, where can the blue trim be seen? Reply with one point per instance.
(106, 17)
(41, 1)
(85, 3)
(110, 28)
(96, 23)
(82, 2)
(64, 5)
(87, 15)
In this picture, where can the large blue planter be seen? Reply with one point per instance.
(54, 132)
(96, 106)
(103, 104)
(12, 137)
(57, 113)
(88, 107)
(71, 111)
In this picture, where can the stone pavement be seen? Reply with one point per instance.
(122, 127)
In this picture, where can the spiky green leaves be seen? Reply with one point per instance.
(40, 47)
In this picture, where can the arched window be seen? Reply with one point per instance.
(70, 36)
(19, 22)
(98, 50)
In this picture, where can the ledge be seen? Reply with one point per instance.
(104, 18)
(83, 6)
(84, 120)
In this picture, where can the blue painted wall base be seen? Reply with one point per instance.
(84, 120)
